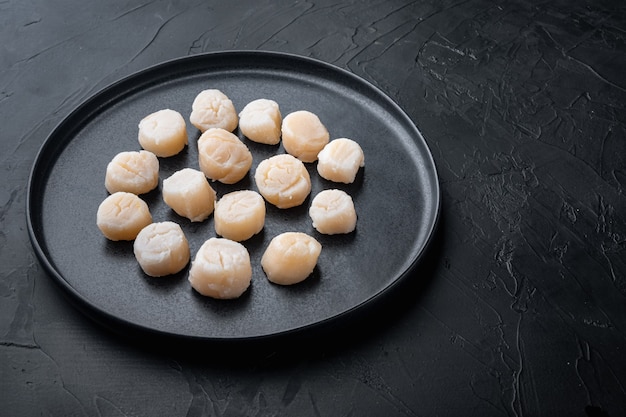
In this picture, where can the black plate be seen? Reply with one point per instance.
(396, 196)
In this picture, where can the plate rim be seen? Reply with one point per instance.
(114, 322)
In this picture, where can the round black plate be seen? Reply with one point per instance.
(396, 196)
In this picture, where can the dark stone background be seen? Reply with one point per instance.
(519, 309)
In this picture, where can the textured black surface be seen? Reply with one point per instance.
(519, 310)
(396, 197)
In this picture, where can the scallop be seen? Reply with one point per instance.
(213, 109)
(161, 249)
(332, 212)
(340, 160)
(189, 194)
(283, 181)
(223, 157)
(304, 135)
(122, 215)
(221, 269)
(239, 215)
(260, 121)
(163, 133)
(134, 172)
(290, 258)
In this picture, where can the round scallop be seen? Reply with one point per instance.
(161, 249)
(283, 181)
(189, 194)
(340, 160)
(134, 172)
(290, 258)
(122, 215)
(213, 109)
(222, 156)
(163, 133)
(260, 121)
(332, 212)
(304, 135)
(221, 269)
(239, 215)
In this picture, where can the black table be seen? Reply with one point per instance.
(518, 309)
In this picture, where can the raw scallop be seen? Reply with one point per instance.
(189, 194)
(221, 269)
(340, 160)
(222, 156)
(304, 135)
(163, 133)
(210, 109)
(283, 180)
(122, 215)
(161, 249)
(332, 212)
(290, 258)
(134, 172)
(260, 121)
(239, 215)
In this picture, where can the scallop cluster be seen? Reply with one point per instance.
(221, 268)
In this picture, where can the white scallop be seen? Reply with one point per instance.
(239, 215)
(189, 194)
(122, 215)
(134, 172)
(163, 133)
(304, 135)
(161, 249)
(332, 212)
(221, 269)
(283, 180)
(290, 258)
(340, 160)
(213, 109)
(260, 121)
(222, 156)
